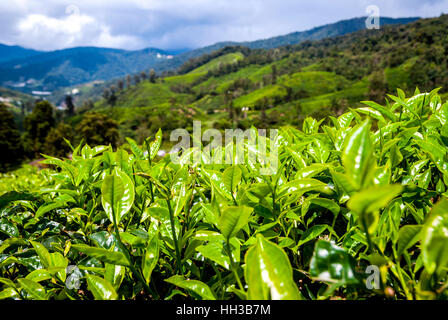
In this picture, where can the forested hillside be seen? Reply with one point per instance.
(238, 86)
(8, 53)
(53, 70)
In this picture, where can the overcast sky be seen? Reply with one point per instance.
(175, 24)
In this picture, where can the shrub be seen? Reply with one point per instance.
(364, 193)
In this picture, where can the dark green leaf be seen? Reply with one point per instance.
(269, 273)
(331, 263)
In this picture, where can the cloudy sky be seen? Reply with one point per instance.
(176, 24)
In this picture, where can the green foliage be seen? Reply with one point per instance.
(333, 264)
(215, 63)
(377, 86)
(20, 182)
(70, 106)
(367, 189)
(117, 195)
(11, 151)
(55, 141)
(98, 129)
(269, 273)
(265, 87)
(38, 124)
(435, 240)
(101, 288)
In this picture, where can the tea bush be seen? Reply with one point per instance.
(366, 193)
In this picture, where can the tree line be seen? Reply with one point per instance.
(45, 133)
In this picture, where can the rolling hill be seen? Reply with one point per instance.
(62, 68)
(49, 71)
(330, 30)
(18, 103)
(8, 53)
(13, 97)
(282, 86)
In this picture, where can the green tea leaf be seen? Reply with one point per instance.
(301, 186)
(48, 207)
(357, 157)
(8, 293)
(101, 254)
(407, 237)
(198, 287)
(100, 288)
(311, 234)
(114, 274)
(155, 145)
(138, 153)
(310, 171)
(374, 198)
(43, 253)
(331, 263)
(8, 228)
(232, 177)
(435, 238)
(59, 263)
(38, 275)
(215, 251)
(150, 257)
(118, 195)
(269, 273)
(383, 110)
(33, 288)
(233, 219)
(366, 203)
(8, 197)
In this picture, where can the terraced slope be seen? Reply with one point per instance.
(284, 85)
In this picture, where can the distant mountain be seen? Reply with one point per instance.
(52, 70)
(330, 30)
(8, 53)
(8, 95)
(321, 78)
(49, 71)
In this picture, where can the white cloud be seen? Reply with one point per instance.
(37, 24)
(47, 33)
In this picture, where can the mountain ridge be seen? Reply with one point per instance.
(357, 24)
(285, 85)
(61, 68)
(8, 52)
